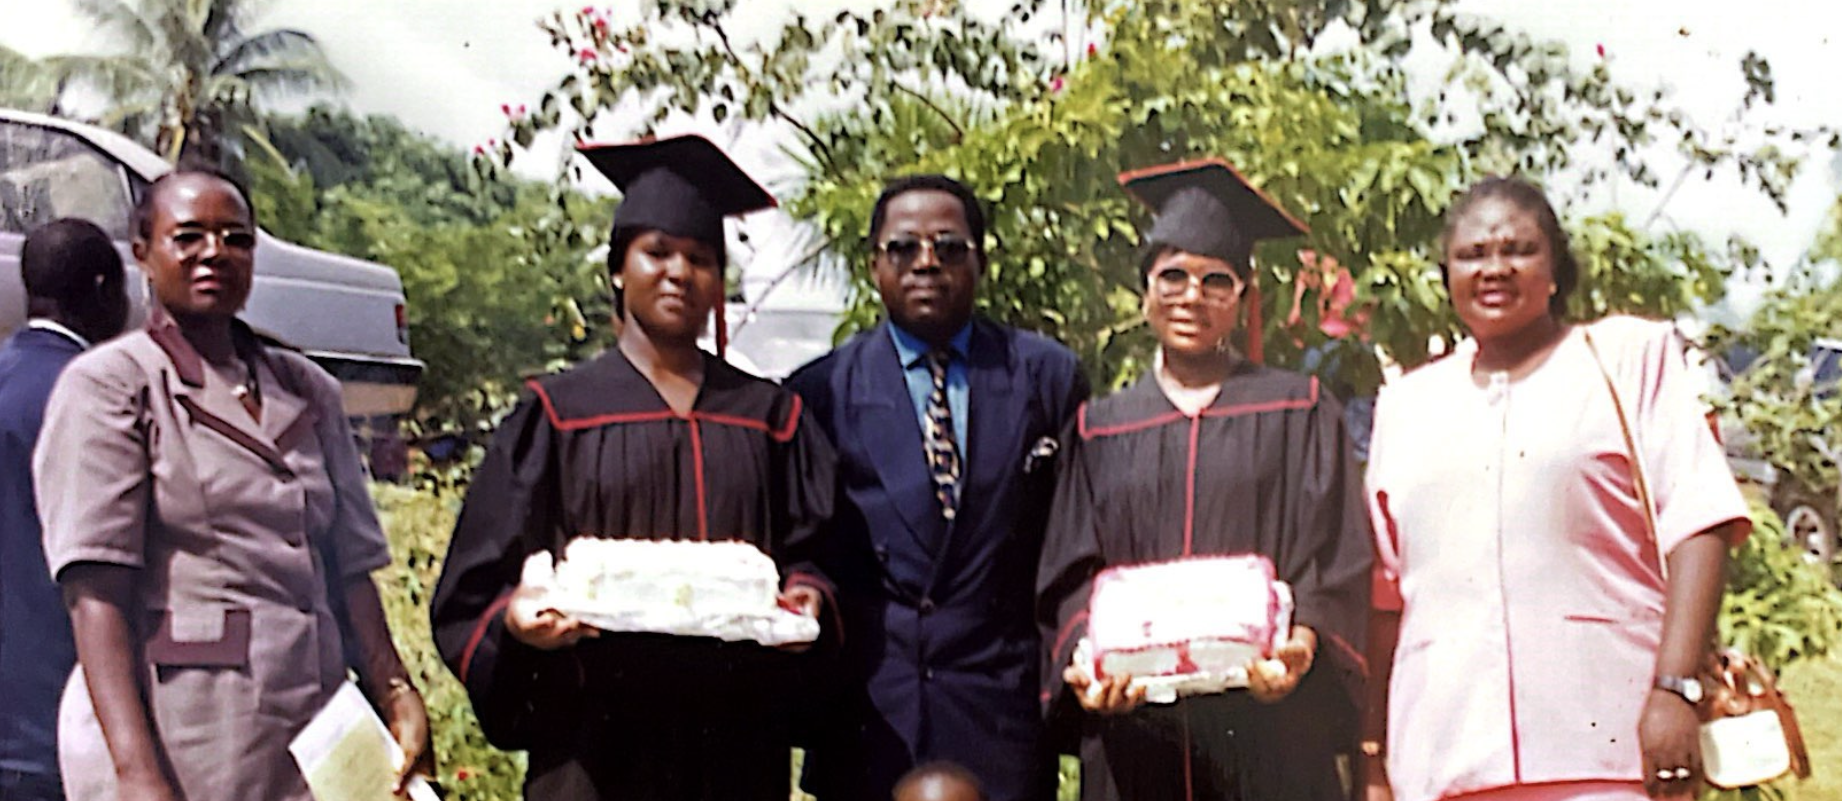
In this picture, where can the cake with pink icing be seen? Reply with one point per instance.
(1202, 615)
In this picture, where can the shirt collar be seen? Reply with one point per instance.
(56, 327)
(910, 349)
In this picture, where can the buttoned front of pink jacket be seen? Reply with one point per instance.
(1510, 536)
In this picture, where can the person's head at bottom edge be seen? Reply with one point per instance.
(939, 781)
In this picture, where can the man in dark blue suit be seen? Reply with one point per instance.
(946, 428)
(74, 297)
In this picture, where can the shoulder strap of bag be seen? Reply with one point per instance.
(1733, 662)
(1637, 463)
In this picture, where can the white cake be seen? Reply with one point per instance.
(728, 590)
(1205, 616)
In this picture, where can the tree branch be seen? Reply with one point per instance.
(774, 283)
(774, 108)
(958, 132)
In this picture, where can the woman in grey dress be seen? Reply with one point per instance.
(206, 515)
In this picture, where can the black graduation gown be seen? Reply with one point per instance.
(597, 452)
(1265, 469)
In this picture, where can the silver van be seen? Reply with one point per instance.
(348, 315)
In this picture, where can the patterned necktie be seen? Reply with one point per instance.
(942, 451)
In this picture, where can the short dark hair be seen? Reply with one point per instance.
(140, 219)
(61, 261)
(929, 182)
(942, 769)
(1528, 197)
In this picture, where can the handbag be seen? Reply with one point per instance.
(1749, 732)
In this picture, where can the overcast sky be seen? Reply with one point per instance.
(445, 66)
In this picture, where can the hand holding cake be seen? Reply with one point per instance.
(1112, 695)
(533, 621)
(1272, 679)
(801, 599)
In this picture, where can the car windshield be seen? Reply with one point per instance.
(1825, 367)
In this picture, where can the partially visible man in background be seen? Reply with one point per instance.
(75, 297)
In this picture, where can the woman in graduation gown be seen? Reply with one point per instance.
(654, 439)
(1211, 454)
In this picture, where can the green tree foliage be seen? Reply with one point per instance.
(1794, 419)
(195, 75)
(419, 524)
(498, 279)
(925, 86)
(1779, 607)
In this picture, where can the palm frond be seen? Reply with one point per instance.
(121, 78)
(127, 25)
(25, 82)
(258, 48)
(256, 136)
(288, 78)
(187, 44)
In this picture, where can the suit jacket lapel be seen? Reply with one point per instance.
(883, 418)
(991, 432)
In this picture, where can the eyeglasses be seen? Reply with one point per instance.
(191, 241)
(949, 250)
(1217, 287)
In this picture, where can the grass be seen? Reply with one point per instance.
(1815, 687)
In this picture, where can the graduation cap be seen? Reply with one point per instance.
(1206, 207)
(683, 186)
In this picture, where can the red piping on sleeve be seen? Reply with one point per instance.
(1341, 646)
(1068, 630)
(787, 431)
(496, 608)
(824, 588)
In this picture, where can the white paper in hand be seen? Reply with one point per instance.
(346, 754)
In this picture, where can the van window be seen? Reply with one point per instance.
(46, 174)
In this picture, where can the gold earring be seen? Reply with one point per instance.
(619, 284)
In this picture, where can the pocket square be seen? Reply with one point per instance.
(1043, 452)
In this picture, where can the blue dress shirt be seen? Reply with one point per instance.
(913, 354)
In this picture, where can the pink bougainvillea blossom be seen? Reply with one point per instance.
(586, 55)
(479, 150)
(1092, 50)
(1601, 49)
(1056, 83)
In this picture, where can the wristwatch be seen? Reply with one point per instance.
(1688, 687)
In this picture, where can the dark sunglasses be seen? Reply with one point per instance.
(948, 250)
(1219, 287)
(191, 241)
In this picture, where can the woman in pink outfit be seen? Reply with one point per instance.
(1539, 648)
